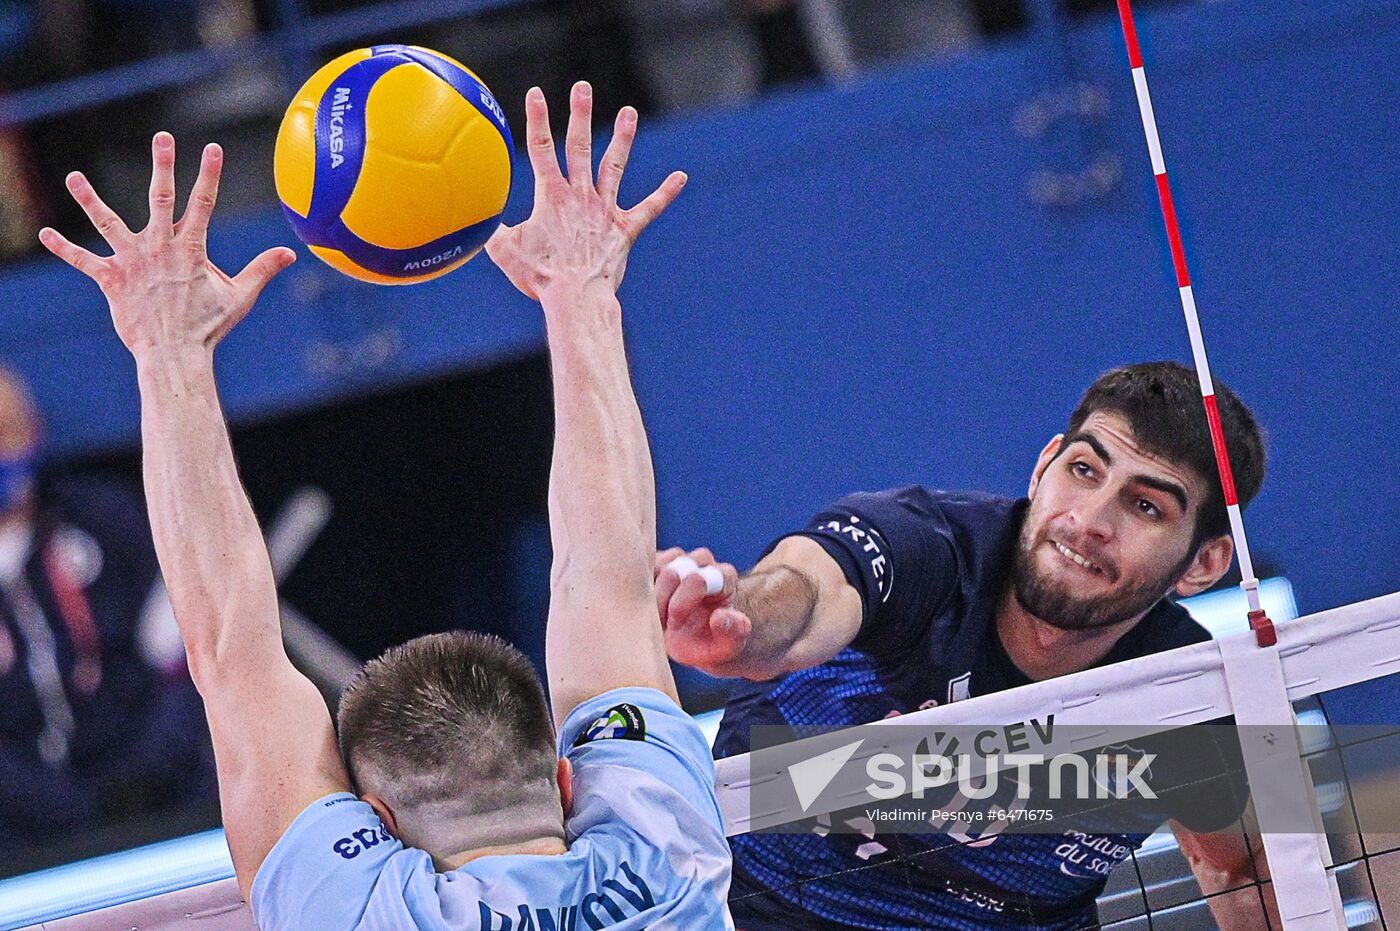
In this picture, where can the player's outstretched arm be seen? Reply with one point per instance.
(1227, 864)
(570, 255)
(273, 740)
(793, 610)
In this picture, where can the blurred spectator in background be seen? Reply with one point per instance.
(47, 41)
(19, 205)
(667, 55)
(99, 721)
(712, 52)
(19, 209)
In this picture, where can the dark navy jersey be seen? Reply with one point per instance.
(930, 567)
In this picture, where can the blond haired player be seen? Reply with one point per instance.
(448, 803)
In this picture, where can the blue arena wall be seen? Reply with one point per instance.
(857, 289)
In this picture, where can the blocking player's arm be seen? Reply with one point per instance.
(273, 740)
(1227, 864)
(1209, 807)
(570, 255)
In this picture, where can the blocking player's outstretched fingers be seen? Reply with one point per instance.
(695, 603)
(160, 285)
(577, 233)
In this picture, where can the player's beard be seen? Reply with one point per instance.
(1057, 604)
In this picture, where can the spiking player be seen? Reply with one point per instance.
(466, 815)
(894, 601)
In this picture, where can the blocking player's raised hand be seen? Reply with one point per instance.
(274, 743)
(163, 291)
(570, 255)
(577, 235)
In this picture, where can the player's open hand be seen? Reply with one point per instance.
(695, 601)
(163, 291)
(577, 236)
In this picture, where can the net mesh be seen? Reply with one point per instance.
(1350, 741)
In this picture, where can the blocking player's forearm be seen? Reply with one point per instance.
(602, 632)
(211, 551)
(602, 491)
(1227, 865)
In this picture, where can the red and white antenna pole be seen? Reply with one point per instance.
(1258, 621)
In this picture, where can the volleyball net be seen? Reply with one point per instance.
(1318, 743)
(1330, 738)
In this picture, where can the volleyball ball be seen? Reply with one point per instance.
(393, 164)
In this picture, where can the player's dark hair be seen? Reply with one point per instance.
(1161, 402)
(449, 714)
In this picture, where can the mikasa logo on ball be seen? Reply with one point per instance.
(339, 104)
(408, 183)
(435, 260)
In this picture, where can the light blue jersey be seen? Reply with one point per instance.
(646, 846)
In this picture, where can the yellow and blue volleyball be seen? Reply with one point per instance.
(393, 164)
